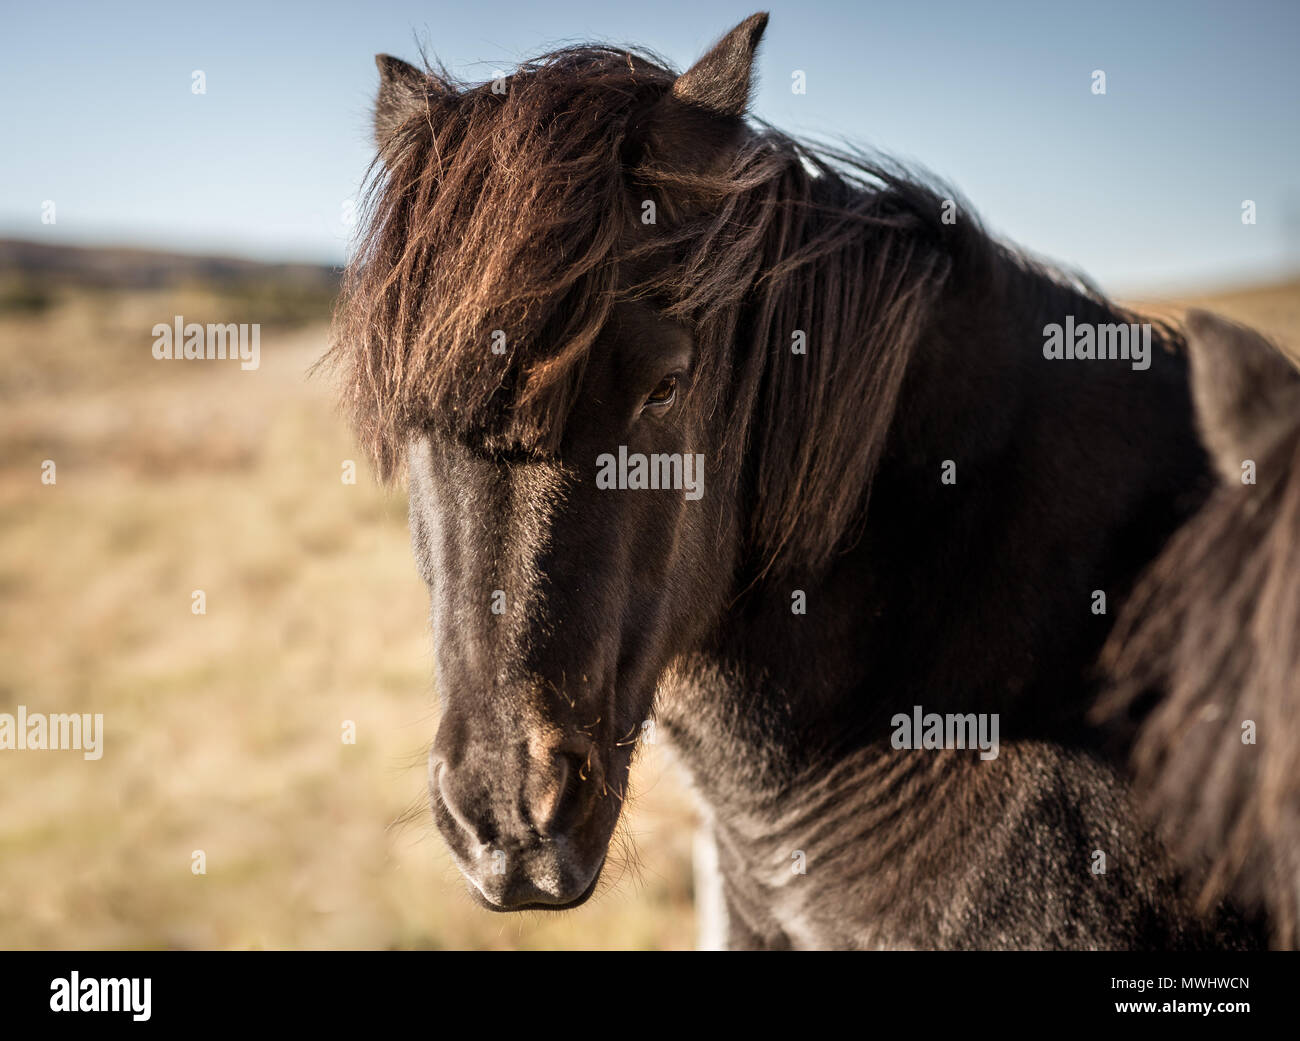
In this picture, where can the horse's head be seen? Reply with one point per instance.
(636, 355)
(558, 597)
(535, 358)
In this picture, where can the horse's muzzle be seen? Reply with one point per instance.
(531, 837)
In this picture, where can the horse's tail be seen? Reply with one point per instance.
(1207, 650)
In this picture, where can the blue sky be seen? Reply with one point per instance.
(1141, 188)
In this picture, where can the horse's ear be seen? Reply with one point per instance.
(404, 91)
(1247, 393)
(697, 125)
(719, 82)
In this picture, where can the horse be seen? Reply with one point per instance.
(763, 442)
(1207, 649)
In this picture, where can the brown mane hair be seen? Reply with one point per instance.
(519, 214)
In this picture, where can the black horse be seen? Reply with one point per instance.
(776, 446)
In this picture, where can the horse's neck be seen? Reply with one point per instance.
(973, 596)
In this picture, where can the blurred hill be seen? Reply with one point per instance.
(35, 276)
(1273, 308)
(129, 268)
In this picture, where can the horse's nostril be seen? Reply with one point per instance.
(443, 783)
(545, 792)
(548, 792)
(556, 794)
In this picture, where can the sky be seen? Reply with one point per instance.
(1141, 188)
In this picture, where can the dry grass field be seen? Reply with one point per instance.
(223, 731)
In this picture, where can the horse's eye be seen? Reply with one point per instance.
(663, 394)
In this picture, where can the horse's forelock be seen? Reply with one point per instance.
(511, 220)
(489, 251)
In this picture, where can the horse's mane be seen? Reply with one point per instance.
(1214, 630)
(517, 214)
